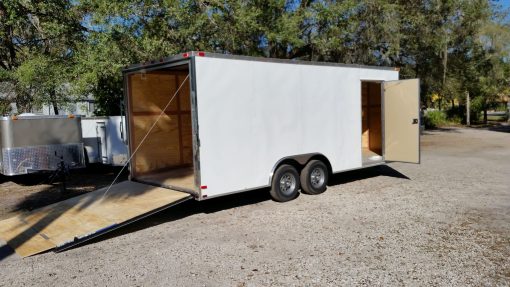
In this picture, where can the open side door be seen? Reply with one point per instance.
(401, 104)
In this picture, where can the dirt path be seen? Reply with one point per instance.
(444, 222)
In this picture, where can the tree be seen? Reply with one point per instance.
(453, 46)
(486, 63)
(38, 40)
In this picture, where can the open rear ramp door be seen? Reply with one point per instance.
(73, 221)
(402, 120)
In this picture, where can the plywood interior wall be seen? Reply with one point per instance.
(169, 144)
(371, 116)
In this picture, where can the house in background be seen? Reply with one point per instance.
(84, 108)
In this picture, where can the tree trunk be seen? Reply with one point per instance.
(55, 107)
(23, 102)
(453, 103)
(445, 65)
(53, 101)
(485, 115)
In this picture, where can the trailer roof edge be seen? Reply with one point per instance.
(187, 55)
(38, 117)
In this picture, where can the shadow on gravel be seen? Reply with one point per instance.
(355, 175)
(26, 179)
(76, 175)
(78, 182)
(500, 128)
(193, 207)
(444, 129)
(5, 251)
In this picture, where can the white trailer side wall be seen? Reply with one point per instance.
(113, 141)
(251, 114)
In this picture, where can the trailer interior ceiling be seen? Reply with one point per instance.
(165, 157)
(371, 122)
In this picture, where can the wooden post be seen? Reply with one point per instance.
(468, 110)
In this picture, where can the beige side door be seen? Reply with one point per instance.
(402, 120)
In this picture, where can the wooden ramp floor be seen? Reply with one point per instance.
(179, 177)
(70, 222)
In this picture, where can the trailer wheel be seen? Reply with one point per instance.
(314, 177)
(285, 185)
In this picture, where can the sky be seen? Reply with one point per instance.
(505, 4)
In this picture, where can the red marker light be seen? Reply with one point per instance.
(203, 187)
(201, 54)
(185, 55)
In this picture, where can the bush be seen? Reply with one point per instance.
(434, 119)
(456, 115)
(5, 107)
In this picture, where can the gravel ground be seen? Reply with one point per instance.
(444, 222)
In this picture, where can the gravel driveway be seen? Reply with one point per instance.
(444, 222)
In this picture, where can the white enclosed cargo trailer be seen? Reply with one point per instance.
(104, 140)
(241, 123)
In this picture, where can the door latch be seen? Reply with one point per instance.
(415, 121)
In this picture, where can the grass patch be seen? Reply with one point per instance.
(497, 118)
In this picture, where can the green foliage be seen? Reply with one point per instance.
(38, 39)
(44, 78)
(108, 94)
(435, 119)
(5, 107)
(438, 41)
(454, 46)
(456, 114)
(452, 116)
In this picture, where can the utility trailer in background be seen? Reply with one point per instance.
(235, 124)
(241, 123)
(104, 140)
(40, 143)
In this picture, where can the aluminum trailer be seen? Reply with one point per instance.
(235, 124)
(104, 140)
(39, 143)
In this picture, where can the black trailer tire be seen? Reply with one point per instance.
(314, 177)
(285, 184)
